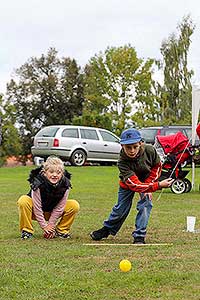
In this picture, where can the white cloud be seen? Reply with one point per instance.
(80, 29)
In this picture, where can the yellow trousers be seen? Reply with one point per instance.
(26, 215)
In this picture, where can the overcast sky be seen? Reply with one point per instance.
(82, 28)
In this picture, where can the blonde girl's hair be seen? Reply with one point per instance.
(53, 162)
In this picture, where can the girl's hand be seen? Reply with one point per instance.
(49, 228)
(49, 232)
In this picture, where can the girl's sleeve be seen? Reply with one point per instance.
(58, 209)
(37, 208)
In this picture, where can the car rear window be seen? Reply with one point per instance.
(70, 132)
(47, 132)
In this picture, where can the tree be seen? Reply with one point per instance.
(115, 82)
(11, 143)
(176, 93)
(147, 102)
(94, 119)
(46, 91)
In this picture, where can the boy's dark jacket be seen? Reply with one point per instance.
(141, 166)
(50, 194)
(140, 174)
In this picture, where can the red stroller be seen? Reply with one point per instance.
(175, 150)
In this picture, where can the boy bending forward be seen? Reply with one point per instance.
(140, 167)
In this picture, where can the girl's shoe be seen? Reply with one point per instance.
(26, 235)
(63, 235)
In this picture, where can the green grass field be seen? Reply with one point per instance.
(41, 269)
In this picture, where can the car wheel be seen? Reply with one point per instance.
(178, 186)
(188, 185)
(78, 158)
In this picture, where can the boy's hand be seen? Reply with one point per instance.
(166, 183)
(144, 195)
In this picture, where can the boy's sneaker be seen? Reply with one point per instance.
(26, 235)
(139, 240)
(63, 235)
(100, 234)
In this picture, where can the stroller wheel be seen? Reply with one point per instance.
(188, 185)
(184, 164)
(178, 186)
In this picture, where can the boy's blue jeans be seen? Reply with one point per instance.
(121, 210)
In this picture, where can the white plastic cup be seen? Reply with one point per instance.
(191, 223)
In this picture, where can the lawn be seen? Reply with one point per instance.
(41, 269)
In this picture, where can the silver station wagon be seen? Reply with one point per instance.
(77, 144)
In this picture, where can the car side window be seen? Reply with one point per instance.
(106, 136)
(70, 132)
(148, 134)
(90, 134)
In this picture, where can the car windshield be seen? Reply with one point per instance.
(189, 132)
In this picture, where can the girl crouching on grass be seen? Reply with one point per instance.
(47, 201)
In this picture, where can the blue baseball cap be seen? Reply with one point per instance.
(130, 136)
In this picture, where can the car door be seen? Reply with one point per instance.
(91, 142)
(110, 145)
(69, 138)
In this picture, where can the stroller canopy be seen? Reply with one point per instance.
(174, 150)
(174, 143)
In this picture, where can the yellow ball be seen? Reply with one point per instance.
(125, 265)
